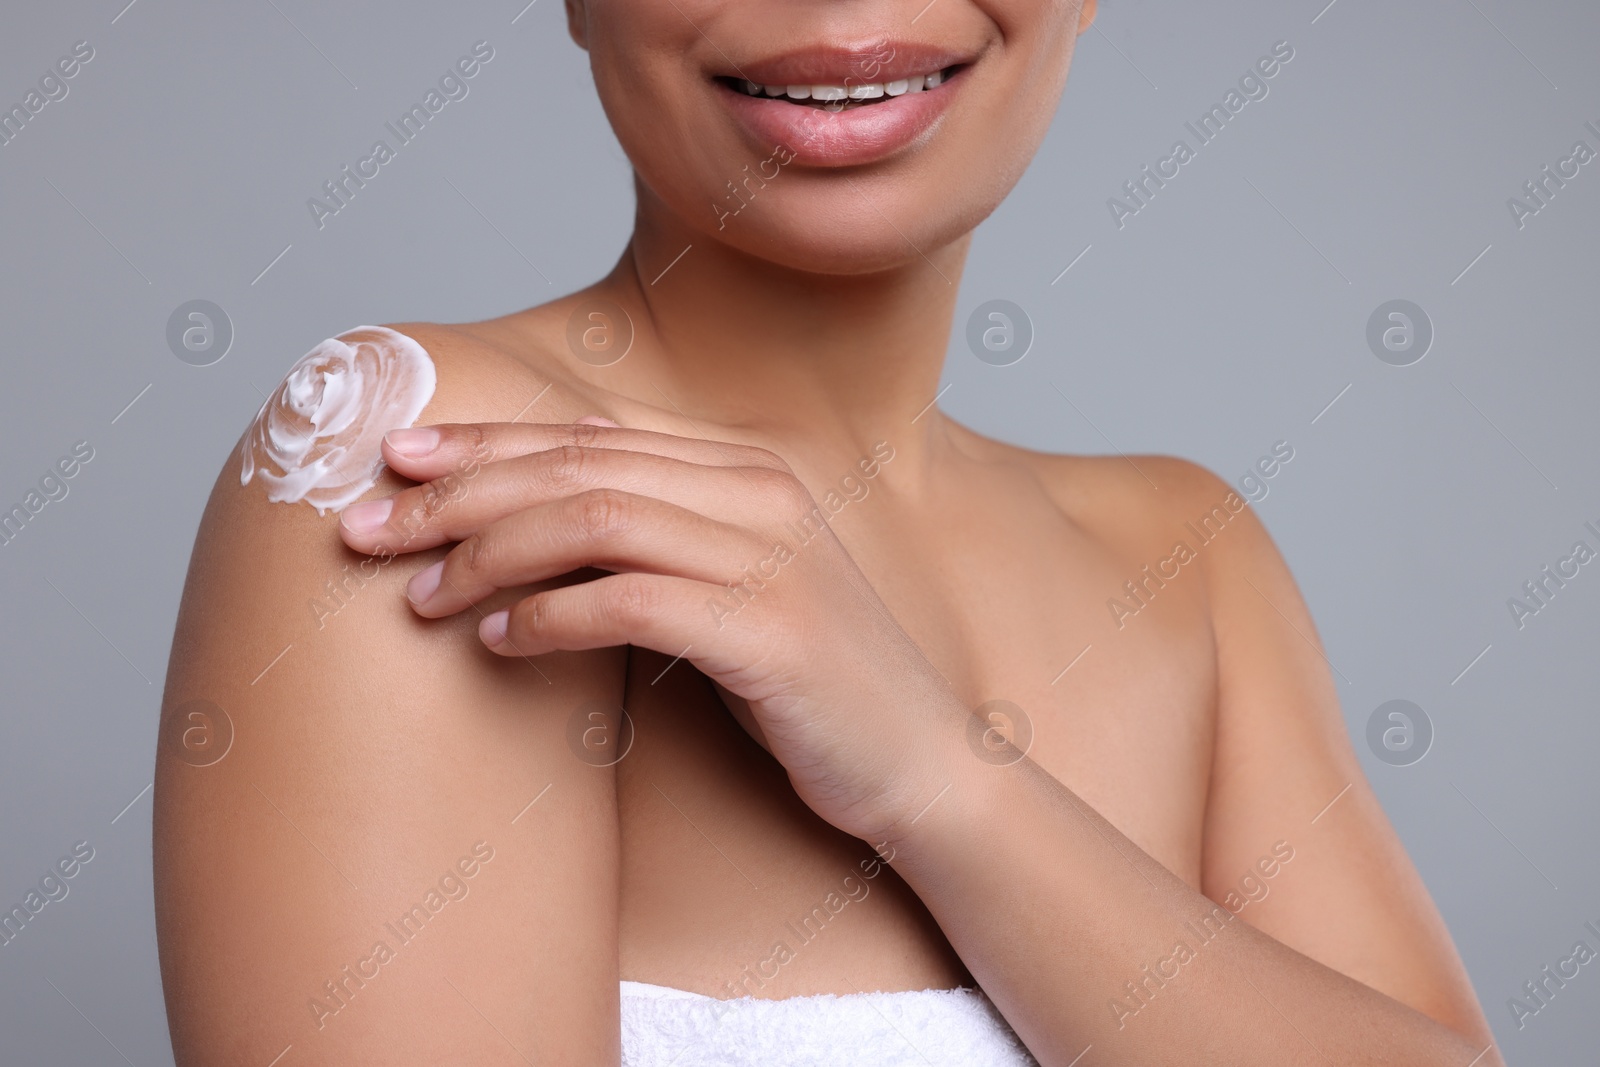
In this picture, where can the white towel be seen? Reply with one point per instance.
(666, 1027)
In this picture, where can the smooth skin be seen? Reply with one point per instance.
(825, 724)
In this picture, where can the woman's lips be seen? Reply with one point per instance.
(859, 133)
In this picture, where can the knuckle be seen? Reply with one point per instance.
(527, 617)
(472, 435)
(564, 466)
(582, 434)
(634, 599)
(477, 554)
(436, 498)
(451, 486)
(604, 514)
(782, 487)
(415, 511)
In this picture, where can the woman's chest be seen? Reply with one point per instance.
(731, 886)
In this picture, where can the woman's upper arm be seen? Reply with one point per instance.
(1287, 783)
(397, 858)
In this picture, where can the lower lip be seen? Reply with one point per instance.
(845, 138)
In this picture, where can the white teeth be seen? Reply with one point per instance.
(834, 93)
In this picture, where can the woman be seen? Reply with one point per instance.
(883, 744)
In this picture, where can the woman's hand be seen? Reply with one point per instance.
(719, 554)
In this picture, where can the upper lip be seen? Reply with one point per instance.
(867, 63)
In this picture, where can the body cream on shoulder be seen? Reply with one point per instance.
(319, 437)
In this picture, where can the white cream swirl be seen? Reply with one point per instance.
(318, 437)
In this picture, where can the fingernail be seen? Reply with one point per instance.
(366, 516)
(492, 630)
(598, 420)
(424, 583)
(413, 442)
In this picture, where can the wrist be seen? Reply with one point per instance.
(961, 764)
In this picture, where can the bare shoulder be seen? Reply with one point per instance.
(338, 778)
(500, 369)
(1131, 490)
(316, 439)
(1136, 503)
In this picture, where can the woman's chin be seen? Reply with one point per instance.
(837, 246)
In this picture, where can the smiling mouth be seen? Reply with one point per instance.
(840, 96)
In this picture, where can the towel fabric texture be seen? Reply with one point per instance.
(666, 1027)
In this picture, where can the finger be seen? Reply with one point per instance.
(454, 507)
(423, 453)
(672, 615)
(604, 528)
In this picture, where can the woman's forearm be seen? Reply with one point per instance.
(1082, 939)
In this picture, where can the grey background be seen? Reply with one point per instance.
(1226, 315)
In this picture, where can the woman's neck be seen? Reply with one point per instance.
(791, 356)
